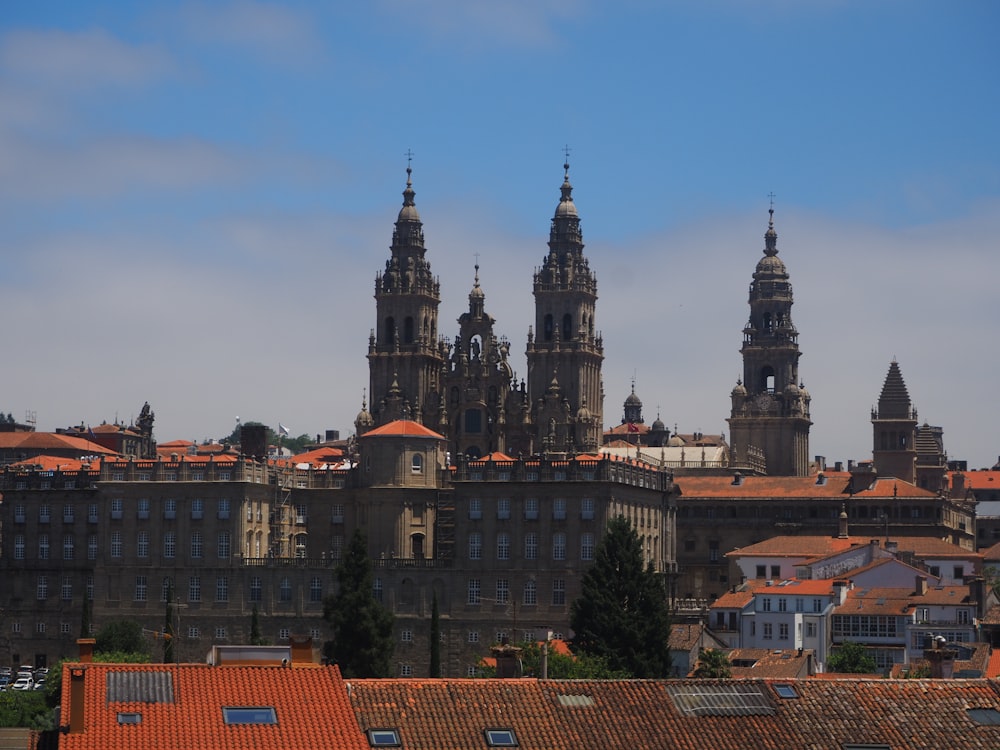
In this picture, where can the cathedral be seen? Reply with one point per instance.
(465, 389)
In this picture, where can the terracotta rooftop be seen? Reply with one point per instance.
(898, 601)
(815, 546)
(181, 706)
(833, 485)
(980, 480)
(40, 442)
(763, 662)
(403, 427)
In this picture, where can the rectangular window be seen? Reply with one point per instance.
(256, 589)
(69, 548)
(530, 592)
(768, 635)
(475, 508)
(503, 508)
(783, 631)
(301, 514)
(142, 544)
(223, 514)
(220, 634)
(817, 605)
(285, 589)
(559, 509)
(503, 546)
(531, 546)
(140, 588)
(196, 545)
(406, 636)
(810, 630)
(194, 589)
(116, 544)
(67, 589)
(587, 509)
(800, 605)
(559, 592)
(68, 514)
(316, 589)
(42, 588)
(197, 509)
(169, 545)
(117, 505)
(142, 508)
(782, 604)
(19, 547)
(473, 636)
(531, 509)
(336, 546)
(475, 545)
(223, 545)
(586, 546)
(169, 509)
(222, 589)
(775, 572)
(90, 588)
(18, 514)
(765, 604)
(713, 551)
(44, 514)
(166, 588)
(761, 571)
(503, 591)
(559, 546)
(43, 546)
(337, 513)
(474, 591)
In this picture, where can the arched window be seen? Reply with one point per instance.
(408, 330)
(417, 464)
(767, 379)
(417, 546)
(390, 329)
(768, 325)
(547, 328)
(473, 421)
(567, 327)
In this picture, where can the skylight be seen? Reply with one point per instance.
(984, 715)
(383, 738)
(129, 718)
(249, 715)
(785, 691)
(500, 737)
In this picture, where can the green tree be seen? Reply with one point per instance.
(713, 662)
(122, 637)
(852, 658)
(362, 628)
(435, 638)
(294, 444)
(26, 708)
(256, 639)
(168, 628)
(567, 667)
(621, 615)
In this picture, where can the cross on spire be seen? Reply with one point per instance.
(772, 197)
(409, 157)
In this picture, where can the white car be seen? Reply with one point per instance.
(23, 683)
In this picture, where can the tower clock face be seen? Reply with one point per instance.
(764, 402)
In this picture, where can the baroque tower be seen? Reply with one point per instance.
(894, 429)
(564, 351)
(770, 407)
(404, 357)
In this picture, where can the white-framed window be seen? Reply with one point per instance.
(587, 509)
(42, 588)
(220, 634)
(559, 591)
(301, 514)
(194, 589)
(69, 547)
(45, 513)
(15, 627)
(586, 546)
(223, 509)
(43, 546)
(116, 544)
(406, 636)
(782, 604)
(503, 591)
(530, 592)
(471, 671)
(284, 634)
(765, 604)
(222, 589)
(405, 670)
(337, 546)
(285, 590)
(559, 509)
(170, 509)
(66, 592)
(223, 545)
(475, 590)
(69, 514)
(417, 464)
(197, 508)
(142, 508)
(256, 589)
(90, 588)
(559, 546)
(316, 589)
(503, 508)
(194, 632)
(315, 634)
(783, 631)
(169, 544)
(197, 545)
(810, 630)
(117, 508)
(817, 605)
(531, 546)
(531, 509)
(19, 513)
(142, 544)
(337, 513)
(19, 546)
(503, 546)
(64, 628)
(473, 636)
(166, 587)
(475, 508)
(141, 588)
(475, 545)
(40, 628)
(768, 631)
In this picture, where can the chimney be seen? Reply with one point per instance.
(838, 465)
(508, 660)
(86, 646)
(302, 649)
(842, 531)
(891, 546)
(921, 585)
(821, 463)
(77, 698)
(737, 479)
(941, 660)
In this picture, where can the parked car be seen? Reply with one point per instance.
(4, 681)
(23, 683)
(40, 685)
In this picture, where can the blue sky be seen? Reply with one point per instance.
(195, 198)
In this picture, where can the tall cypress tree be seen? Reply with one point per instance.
(362, 628)
(435, 638)
(168, 630)
(622, 614)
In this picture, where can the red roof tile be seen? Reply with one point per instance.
(403, 427)
(835, 485)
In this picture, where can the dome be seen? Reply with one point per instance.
(771, 265)
(633, 400)
(566, 206)
(658, 425)
(409, 210)
(675, 442)
(739, 389)
(583, 414)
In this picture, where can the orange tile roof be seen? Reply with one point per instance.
(993, 668)
(889, 601)
(40, 442)
(181, 707)
(979, 480)
(769, 662)
(836, 485)
(55, 463)
(815, 546)
(403, 427)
